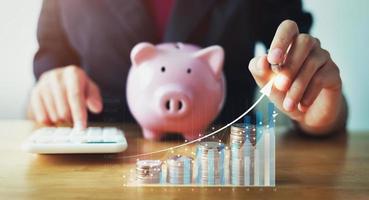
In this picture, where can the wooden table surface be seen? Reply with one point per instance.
(334, 168)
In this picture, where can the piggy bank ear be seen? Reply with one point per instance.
(142, 52)
(214, 57)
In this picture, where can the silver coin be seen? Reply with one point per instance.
(177, 172)
(211, 171)
(148, 171)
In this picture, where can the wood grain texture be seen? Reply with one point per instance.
(333, 168)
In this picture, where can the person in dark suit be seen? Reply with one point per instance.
(83, 57)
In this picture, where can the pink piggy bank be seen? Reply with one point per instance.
(175, 88)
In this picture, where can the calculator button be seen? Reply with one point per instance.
(78, 136)
(44, 139)
(44, 132)
(94, 134)
(44, 135)
(61, 135)
(62, 131)
(35, 136)
(60, 139)
(111, 135)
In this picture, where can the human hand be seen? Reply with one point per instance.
(307, 84)
(64, 95)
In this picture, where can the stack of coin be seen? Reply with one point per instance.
(179, 170)
(237, 139)
(148, 171)
(243, 144)
(210, 163)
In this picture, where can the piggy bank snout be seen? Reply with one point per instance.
(174, 102)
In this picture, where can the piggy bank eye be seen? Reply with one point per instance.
(189, 71)
(162, 69)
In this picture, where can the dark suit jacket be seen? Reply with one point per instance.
(99, 34)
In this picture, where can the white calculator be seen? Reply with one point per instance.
(63, 140)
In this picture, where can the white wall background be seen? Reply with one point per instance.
(18, 19)
(342, 27)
